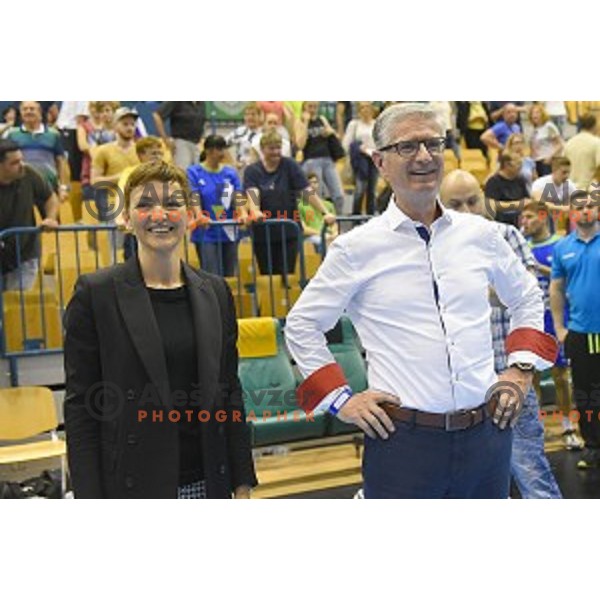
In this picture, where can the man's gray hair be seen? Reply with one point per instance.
(387, 121)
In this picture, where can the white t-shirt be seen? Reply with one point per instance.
(242, 138)
(551, 192)
(69, 111)
(542, 145)
(359, 131)
(555, 108)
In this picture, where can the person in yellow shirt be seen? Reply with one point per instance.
(110, 160)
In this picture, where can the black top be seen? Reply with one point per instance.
(186, 119)
(279, 190)
(316, 142)
(175, 323)
(501, 189)
(17, 200)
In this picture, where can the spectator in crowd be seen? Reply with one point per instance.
(583, 150)
(187, 120)
(21, 189)
(272, 106)
(472, 119)
(517, 145)
(506, 191)
(359, 145)
(535, 226)
(312, 221)
(242, 137)
(72, 114)
(274, 184)
(344, 113)
(574, 278)
(312, 135)
(446, 111)
(497, 108)
(415, 283)
(272, 124)
(529, 466)
(216, 188)
(148, 149)
(545, 141)
(161, 337)
(95, 131)
(111, 159)
(42, 147)
(497, 135)
(557, 111)
(554, 191)
(9, 119)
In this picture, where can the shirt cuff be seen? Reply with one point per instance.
(530, 345)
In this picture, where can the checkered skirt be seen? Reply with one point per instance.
(192, 491)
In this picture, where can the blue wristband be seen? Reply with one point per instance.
(342, 397)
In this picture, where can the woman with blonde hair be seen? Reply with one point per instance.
(516, 144)
(545, 141)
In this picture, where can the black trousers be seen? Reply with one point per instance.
(583, 350)
(472, 140)
(276, 251)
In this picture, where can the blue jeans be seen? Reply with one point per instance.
(218, 258)
(528, 465)
(325, 170)
(423, 462)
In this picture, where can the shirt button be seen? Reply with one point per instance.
(131, 439)
(221, 430)
(222, 469)
(130, 394)
(129, 482)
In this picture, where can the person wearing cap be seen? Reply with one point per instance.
(415, 282)
(111, 159)
(216, 186)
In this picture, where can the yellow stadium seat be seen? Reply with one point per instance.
(312, 262)
(26, 412)
(473, 161)
(29, 334)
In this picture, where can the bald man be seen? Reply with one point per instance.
(496, 136)
(529, 466)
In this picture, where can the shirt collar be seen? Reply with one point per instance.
(40, 129)
(397, 218)
(592, 239)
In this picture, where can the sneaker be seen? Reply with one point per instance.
(572, 441)
(589, 460)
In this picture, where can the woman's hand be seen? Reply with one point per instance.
(242, 493)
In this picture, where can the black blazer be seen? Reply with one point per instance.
(113, 350)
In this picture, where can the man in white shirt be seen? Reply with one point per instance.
(415, 283)
(556, 188)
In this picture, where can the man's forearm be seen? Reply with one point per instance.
(557, 307)
(51, 207)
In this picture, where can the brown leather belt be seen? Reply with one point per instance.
(454, 421)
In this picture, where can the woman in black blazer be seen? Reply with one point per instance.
(153, 405)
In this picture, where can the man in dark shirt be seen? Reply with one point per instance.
(506, 191)
(277, 182)
(187, 121)
(22, 188)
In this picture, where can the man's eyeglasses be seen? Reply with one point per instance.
(410, 148)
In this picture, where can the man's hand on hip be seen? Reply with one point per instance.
(364, 411)
(509, 403)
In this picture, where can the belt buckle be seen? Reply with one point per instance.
(449, 427)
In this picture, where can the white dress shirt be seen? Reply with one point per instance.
(435, 359)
